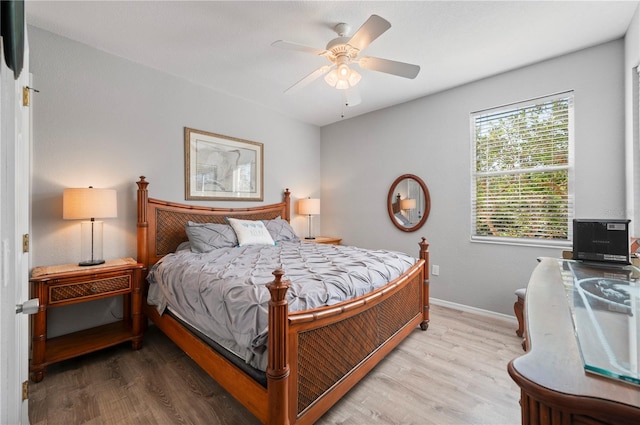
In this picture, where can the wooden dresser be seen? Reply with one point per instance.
(555, 387)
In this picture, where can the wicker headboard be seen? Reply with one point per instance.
(161, 223)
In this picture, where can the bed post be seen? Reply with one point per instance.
(143, 225)
(277, 366)
(287, 201)
(424, 255)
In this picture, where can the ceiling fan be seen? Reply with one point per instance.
(344, 51)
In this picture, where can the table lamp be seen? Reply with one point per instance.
(408, 204)
(309, 207)
(88, 204)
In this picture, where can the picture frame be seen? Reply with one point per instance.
(222, 168)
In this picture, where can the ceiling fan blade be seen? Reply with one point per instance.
(369, 31)
(400, 69)
(309, 78)
(298, 47)
(352, 97)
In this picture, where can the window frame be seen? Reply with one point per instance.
(569, 95)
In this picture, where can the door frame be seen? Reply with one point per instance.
(15, 195)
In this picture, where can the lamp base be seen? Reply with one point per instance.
(90, 263)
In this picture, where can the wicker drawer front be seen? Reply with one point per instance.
(62, 293)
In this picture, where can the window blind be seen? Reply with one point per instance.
(522, 170)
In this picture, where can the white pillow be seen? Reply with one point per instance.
(250, 232)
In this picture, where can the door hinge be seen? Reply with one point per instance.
(25, 390)
(26, 95)
(25, 243)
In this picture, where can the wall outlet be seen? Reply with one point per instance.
(435, 270)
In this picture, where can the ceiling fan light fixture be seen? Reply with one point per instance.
(343, 77)
(344, 71)
(332, 78)
(354, 78)
(342, 84)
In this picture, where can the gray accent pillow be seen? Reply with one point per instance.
(205, 237)
(280, 230)
(183, 246)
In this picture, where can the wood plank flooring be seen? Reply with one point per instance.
(454, 373)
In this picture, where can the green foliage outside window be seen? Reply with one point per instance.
(521, 176)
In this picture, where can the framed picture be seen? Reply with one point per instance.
(222, 168)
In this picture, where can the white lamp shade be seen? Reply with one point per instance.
(332, 78)
(408, 204)
(354, 78)
(309, 206)
(343, 78)
(84, 203)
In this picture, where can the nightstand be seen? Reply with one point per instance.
(58, 286)
(324, 239)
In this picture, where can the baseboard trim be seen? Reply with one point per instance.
(474, 310)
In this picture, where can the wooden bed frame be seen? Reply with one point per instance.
(315, 356)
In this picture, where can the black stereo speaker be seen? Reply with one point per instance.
(601, 240)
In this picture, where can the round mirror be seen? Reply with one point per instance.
(408, 203)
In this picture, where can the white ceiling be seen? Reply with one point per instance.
(227, 45)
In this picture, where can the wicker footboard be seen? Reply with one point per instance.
(331, 353)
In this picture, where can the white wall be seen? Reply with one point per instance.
(430, 137)
(104, 121)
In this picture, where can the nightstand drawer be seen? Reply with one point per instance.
(90, 289)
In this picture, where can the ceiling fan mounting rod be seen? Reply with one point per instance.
(342, 29)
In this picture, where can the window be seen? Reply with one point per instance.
(522, 172)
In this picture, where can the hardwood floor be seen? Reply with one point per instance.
(455, 373)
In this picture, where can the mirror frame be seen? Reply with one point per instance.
(427, 202)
